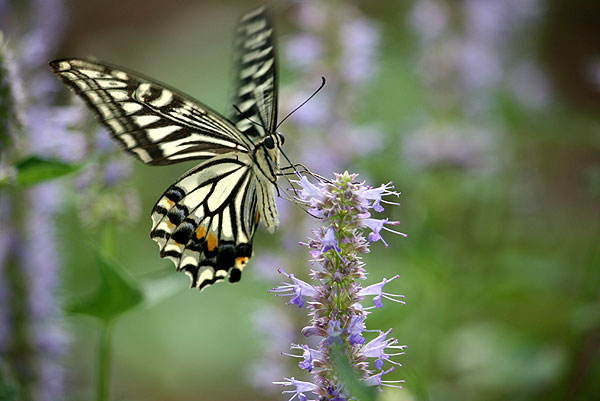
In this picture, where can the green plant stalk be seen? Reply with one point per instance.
(105, 339)
(104, 360)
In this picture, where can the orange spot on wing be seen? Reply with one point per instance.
(257, 214)
(241, 261)
(200, 232)
(211, 242)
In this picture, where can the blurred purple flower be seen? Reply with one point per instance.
(463, 62)
(50, 135)
(351, 42)
(277, 330)
(34, 32)
(310, 15)
(314, 113)
(303, 50)
(265, 265)
(116, 171)
(360, 42)
(428, 19)
(480, 64)
(6, 244)
(446, 144)
(44, 34)
(529, 85)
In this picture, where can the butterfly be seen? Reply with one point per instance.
(206, 220)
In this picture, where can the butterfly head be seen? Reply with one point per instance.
(274, 140)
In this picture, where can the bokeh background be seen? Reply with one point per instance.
(484, 114)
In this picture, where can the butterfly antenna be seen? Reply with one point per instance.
(248, 118)
(303, 103)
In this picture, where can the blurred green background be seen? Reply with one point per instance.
(483, 113)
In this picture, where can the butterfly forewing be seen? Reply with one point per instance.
(155, 123)
(255, 89)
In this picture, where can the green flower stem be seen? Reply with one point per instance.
(108, 238)
(104, 359)
(104, 342)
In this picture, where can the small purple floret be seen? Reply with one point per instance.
(297, 290)
(334, 331)
(377, 290)
(301, 388)
(355, 329)
(329, 241)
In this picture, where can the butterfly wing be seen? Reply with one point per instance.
(155, 123)
(255, 81)
(206, 220)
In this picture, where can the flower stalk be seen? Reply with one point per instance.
(334, 301)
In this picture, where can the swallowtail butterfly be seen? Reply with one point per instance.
(206, 220)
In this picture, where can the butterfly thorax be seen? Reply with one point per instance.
(266, 155)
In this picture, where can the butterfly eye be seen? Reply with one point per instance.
(281, 138)
(269, 142)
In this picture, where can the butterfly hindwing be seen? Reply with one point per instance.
(255, 89)
(205, 222)
(150, 120)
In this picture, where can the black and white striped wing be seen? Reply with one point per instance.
(255, 81)
(205, 222)
(155, 123)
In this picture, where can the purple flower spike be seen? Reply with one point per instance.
(377, 290)
(297, 290)
(337, 317)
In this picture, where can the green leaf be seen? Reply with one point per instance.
(8, 392)
(116, 294)
(35, 169)
(348, 376)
